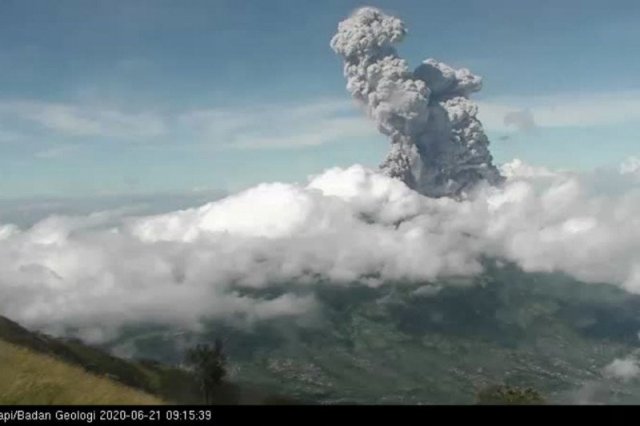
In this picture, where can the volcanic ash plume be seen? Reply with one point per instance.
(438, 146)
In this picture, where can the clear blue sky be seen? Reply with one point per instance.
(108, 97)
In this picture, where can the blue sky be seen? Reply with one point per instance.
(131, 97)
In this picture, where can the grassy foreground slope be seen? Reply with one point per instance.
(33, 367)
(168, 383)
(28, 377)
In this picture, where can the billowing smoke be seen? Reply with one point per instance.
(438, 146)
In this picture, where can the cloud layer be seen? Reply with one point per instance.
(77, 121)
(561, 110)
(65, 126)
(345, 226)
(277, 126)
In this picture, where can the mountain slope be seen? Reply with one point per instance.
(170, 384)
(398, 344)
(42, 354)
(28, 377)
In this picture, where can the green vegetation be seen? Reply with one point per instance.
(27, 377)
(390, 345)
(168, 383)
(44, 362)
(210, 367)
(508, 395)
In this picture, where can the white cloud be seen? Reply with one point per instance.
(519, 169)
(84, 121)
(623, 369)
(346, 225)
(600, 390)
(563, 110)
(279, 126)
(631, 166)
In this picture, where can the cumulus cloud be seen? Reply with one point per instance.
(348, 226)
(602, 390)
(438, 146)
(630, 166)
(623, 369)
(517, 168)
